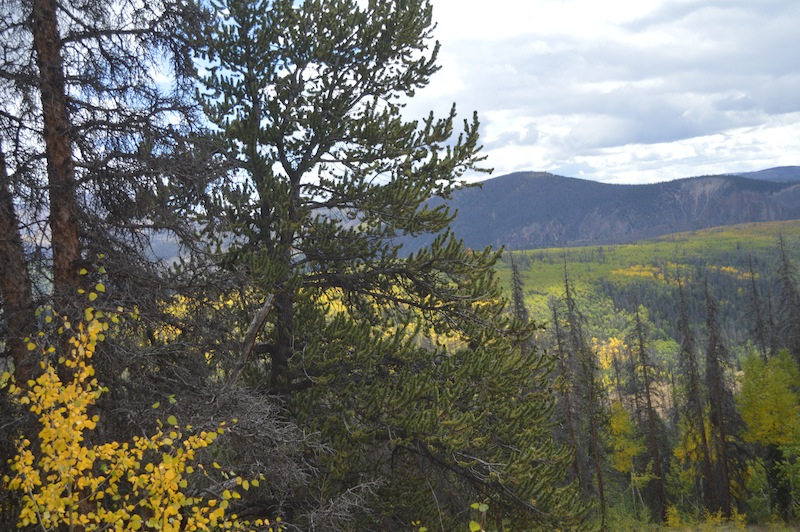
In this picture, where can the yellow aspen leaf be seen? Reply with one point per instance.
(92, 296)
(98, 470)
(83, 271)
(31, 346)
(100, 287)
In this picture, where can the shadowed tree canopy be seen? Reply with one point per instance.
(97, 150)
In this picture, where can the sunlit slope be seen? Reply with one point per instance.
(647, 272)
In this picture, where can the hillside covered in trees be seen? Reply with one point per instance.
(679, 361)
(528, 210)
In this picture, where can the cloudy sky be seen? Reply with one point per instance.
(623, 91)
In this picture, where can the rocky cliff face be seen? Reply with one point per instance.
(533, 210)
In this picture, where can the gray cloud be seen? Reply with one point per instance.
(687, 70)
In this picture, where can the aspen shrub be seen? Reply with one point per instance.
(139, 485)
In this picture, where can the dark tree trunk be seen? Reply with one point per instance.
(695, 405)
(716, 359)
(58, 149)
(660, 501)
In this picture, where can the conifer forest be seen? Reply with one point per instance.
(208, 321)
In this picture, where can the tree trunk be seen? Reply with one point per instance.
(58, 150)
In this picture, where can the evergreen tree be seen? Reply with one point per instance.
(588, 389)
(565, 367)
(761, 328)
(518, 293)
(519, 310)
(354, 334)
(724, 420)
(90, 149)
(15, 281)
(693, 412)
(97, 156)
(644, 367)
(789, 303)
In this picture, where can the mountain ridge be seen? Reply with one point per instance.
(526, 210)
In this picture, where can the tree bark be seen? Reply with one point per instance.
(58, 149)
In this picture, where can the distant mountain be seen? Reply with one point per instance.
(784, 174)
(527, 210)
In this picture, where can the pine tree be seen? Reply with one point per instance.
(407, 366)
(519, 310)
(762, 329)
(588, 389)
(693, 406)
(518, 293)
(90, 146)
(643, 366)
(789, 304)
(724, 420)
(565, 372)
(16, 287)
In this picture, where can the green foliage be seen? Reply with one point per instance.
(647, 272)
(406, 366)
(694, 342)
(769, 401)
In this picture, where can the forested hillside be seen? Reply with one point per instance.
(679, 358)
(528, 210)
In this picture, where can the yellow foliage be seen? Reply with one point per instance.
(769, 402)
(637, 270)
(673, 517)
(609, 349)
(624, 441)
(65, 481)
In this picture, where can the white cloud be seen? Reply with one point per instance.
(623, 91)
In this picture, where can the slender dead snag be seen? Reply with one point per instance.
(250, 340)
